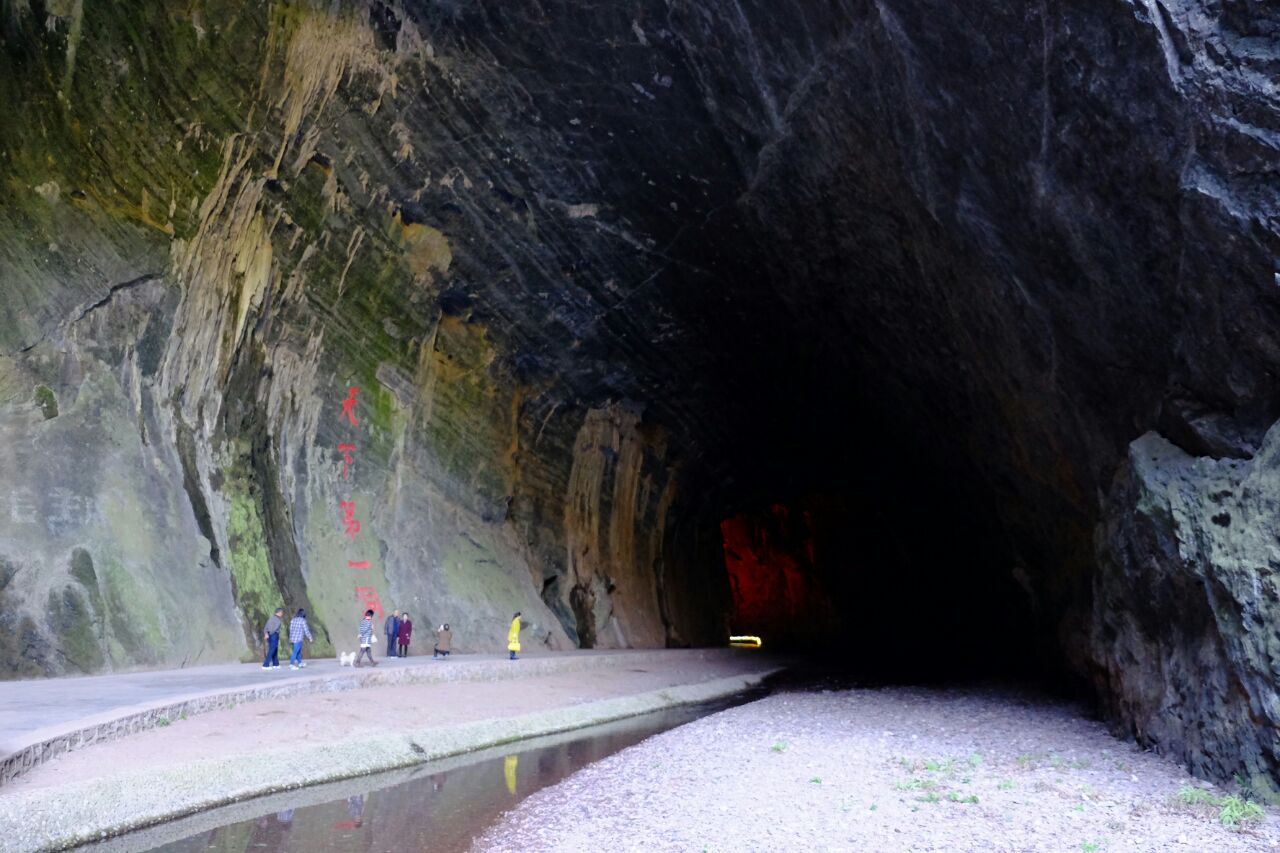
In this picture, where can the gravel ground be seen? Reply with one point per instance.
(898, 769)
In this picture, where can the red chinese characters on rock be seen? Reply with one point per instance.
(348, 458)
(349, 406)
(368, 597)
(351, 526)
(349, 520)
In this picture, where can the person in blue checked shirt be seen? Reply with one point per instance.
(298, 628)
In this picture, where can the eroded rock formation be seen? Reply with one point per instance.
(603, 280)
(1186, 613)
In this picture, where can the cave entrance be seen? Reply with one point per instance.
(892, 593)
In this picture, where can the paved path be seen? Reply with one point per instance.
(400, 718)
(44, 717)
(27, 706)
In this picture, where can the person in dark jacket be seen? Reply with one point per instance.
(271, 634)
(392, 629)
(444, 641)
(406, 632)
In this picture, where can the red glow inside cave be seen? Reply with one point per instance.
(777, 582)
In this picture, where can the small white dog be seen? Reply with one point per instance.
(347, 659)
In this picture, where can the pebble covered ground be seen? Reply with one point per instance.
(897, 769)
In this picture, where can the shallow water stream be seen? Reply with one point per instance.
(437, 806)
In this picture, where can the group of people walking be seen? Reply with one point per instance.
(298, 631)
(398, 629)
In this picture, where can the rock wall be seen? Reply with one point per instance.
(619, 495)
(221, 219)
(1186, 607)
(605, 280)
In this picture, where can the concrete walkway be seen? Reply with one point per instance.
(40, 719)
(417, 715)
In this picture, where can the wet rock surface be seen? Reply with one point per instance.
(606, 279)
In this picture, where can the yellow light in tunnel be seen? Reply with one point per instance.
(746, 641)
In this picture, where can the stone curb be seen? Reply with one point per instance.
(52, 819)
(45, 744)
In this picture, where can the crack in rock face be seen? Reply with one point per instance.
(940, 338)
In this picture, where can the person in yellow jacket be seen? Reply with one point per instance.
(513, 636)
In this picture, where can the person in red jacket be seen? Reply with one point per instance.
(406, 632)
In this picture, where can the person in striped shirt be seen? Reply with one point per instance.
(366, 638)
(298, 629)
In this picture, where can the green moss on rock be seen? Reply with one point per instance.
(74, 632)
(46, 401)
(82, 570)
(257, 594)
(136, 632)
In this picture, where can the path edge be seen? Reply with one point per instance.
(52, 819)
(42, 745)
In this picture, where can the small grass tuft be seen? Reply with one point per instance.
(955, 797)
(930, 797)
(163, 721)
(1005, 785)
(1236, 810)
(1232, 809)
(816, 780)
(1189, 795)
(1245, 785)
(1090, 846)
(780, 746)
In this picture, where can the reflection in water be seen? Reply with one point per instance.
(509, 766)
(271, 832)
(355, 808)
(435, 811)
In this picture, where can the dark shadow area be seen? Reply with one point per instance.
(891, 588)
